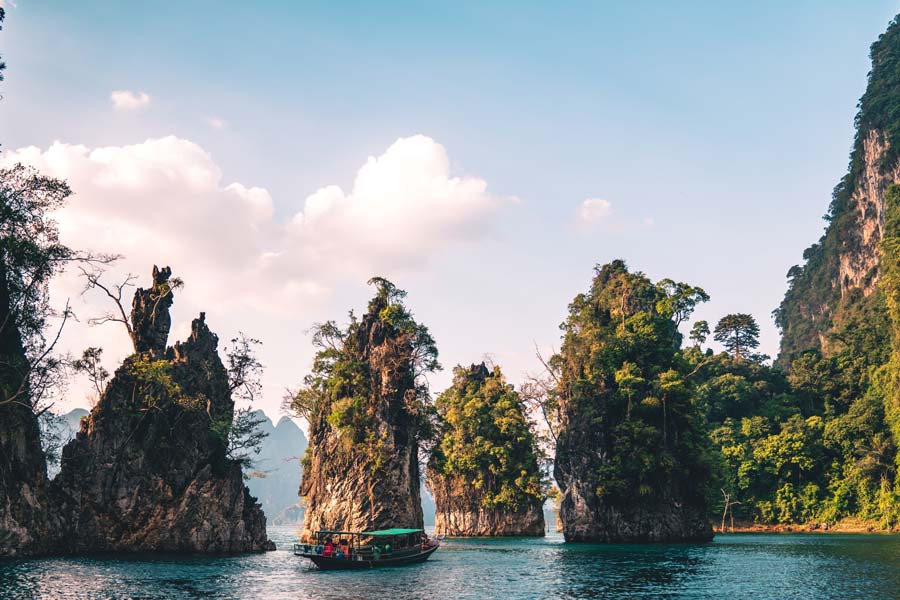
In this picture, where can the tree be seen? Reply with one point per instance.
(244, 369)
(243, 437)
(738, 332)
(679, 300)
(540, 395)
(30, 254)
(699, 333)
(90, 365)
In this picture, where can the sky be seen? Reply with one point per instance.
(484, 156)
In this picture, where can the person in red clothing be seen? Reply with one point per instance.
(329, 549)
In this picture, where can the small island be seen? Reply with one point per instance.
(367, 406)
(484, 470)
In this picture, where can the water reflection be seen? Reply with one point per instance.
(734, 566)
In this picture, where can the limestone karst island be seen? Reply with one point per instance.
(463, 300)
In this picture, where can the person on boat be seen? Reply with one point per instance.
(329, 548)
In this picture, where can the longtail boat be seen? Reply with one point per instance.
(367, 549)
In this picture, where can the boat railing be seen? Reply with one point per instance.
(319, 550)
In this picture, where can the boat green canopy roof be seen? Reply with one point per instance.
(391, 532)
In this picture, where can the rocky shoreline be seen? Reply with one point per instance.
(844, 526)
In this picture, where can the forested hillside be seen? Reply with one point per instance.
(815, 439)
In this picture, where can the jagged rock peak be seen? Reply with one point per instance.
(150, 313)
(362, 468)
(149, 470)
(478, 372)
(201, 340)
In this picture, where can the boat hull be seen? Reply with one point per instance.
(328, 563)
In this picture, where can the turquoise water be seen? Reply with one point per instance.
(732, 567)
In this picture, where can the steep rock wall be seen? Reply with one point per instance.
(837, 282)
(366, 476)
(148, 470)
(25, 524)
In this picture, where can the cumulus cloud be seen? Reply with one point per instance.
(403, 206)
(216, 122)
(164, 201)
(593, 210)
(128, 100)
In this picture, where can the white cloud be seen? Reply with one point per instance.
(163, 201)
(216, 123)
(593, 210)
(128, 100)
(404, 205)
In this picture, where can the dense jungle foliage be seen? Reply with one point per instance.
(486, 446)
(630, 427)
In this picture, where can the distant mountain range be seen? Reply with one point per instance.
(278, 460)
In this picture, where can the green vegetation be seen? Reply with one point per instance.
(344, 390)
(487, 451)
(818, 443)
(30, 254)
(633, 431)
(739, 333)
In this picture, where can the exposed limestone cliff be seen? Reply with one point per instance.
(836, 285)
(484, 472)
(24, 522)
(148, 471)
(368, 412)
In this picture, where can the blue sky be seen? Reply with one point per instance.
(715, 131)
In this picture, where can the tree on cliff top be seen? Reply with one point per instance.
(738, 332)
(486, 443)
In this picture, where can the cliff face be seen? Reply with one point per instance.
(361, 471)
(460, 513)
(483, 472)
(24, 521)
(838, 280)
(586, 516)
(148, 470)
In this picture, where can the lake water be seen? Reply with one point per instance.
(733, 566)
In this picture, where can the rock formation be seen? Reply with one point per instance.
(24, 522)
(484, 472)
(149, 471)
(361, 471)
(631, 446)
(835, 287)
